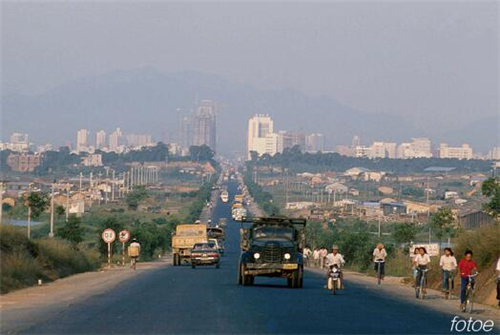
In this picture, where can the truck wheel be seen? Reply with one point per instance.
(296, 279)
(301, 277)
(175, 256)
(217, 266)
(246, 280)
(193, 266)
(289, 282)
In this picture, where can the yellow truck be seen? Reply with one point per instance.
(239, 198)
(185, 237)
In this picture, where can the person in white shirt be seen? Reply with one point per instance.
(335, 258)
(422, 262)
(448, 264)
(379, 255)
(322, 257)
(316, 257)
(306, 254)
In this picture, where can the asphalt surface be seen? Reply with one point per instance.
(205, 300)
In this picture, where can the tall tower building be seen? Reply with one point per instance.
(204, 125)
(100, 139)
(82, 140)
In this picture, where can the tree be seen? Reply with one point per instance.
(404, 233)
(201, 153)
(135, 197)
(38, 202)
(60, 211)
(491, 190)
(443, 223)
(72, 230)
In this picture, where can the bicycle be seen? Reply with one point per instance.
(420, 290)
(447, 293)
(469, 294)
(379, 262)
(133, 262)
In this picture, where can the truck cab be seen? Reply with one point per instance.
(272, 247)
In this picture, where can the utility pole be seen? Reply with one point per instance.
(51, 232)
(67, 201)
(1, 201)
(81, 180)
(29, 211)
(113, 187)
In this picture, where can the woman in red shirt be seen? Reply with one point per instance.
(467, 267)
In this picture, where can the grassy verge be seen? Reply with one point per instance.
(24, 262)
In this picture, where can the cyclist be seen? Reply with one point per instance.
(335, 258)
(467, 267)
(379, 255)
(448, 263)
(421, 262)
(134, 250)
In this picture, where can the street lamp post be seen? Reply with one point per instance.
(51, 233)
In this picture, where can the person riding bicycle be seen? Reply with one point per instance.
(448, 263)
(467, 267)
(335, 258)
(134, 250)
(379, 255)
(421, 262)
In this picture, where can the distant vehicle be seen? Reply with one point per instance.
(334, 279)
(224, 196)
(272, 247)
(239, 214)
(205, 254)
(217, 245)
(216, 232)
(185, 237)
(222, 222)
(239, 198)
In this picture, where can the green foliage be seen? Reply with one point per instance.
(72, 230)
(202, 196)
(296, 161)
(491, 190)
(38, 202)
(201, 153)
(483, 242)
(443, 223)
(24, 261)
(134, 198)
(404, 233)
(263, 198)
(413, 192)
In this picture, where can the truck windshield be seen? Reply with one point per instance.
(273, 231)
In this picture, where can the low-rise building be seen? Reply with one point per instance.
(23, 162)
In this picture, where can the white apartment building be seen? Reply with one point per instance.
(261, 135)
(494, 153)
(82, 137)
(463, 152)
(315, 142)
(418, 148)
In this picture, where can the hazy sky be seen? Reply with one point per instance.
(425, 60)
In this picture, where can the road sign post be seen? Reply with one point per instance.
(123, 236)
(108, 236)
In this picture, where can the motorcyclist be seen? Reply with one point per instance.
(335, 259)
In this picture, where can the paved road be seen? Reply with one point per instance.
(181, 300)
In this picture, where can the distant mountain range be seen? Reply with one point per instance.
(146, 100)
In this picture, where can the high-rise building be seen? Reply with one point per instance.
(418, 148)
(82, 137)
(186, 132)
(463, 152)
(291, 139)
(356, 141)
(494, 153)
(204, 125)
(100, 139)
(259, 126)
(114, 140)
(315, 142)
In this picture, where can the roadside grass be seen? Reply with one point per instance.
(23, 262)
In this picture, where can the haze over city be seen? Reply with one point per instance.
(382, 71)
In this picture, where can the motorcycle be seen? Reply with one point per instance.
(334, 279)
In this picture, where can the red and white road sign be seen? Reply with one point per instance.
(124, 235)
(108, 235)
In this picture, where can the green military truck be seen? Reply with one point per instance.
(272, 247)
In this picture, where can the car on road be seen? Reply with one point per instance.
(272, 247)
(205, 254)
